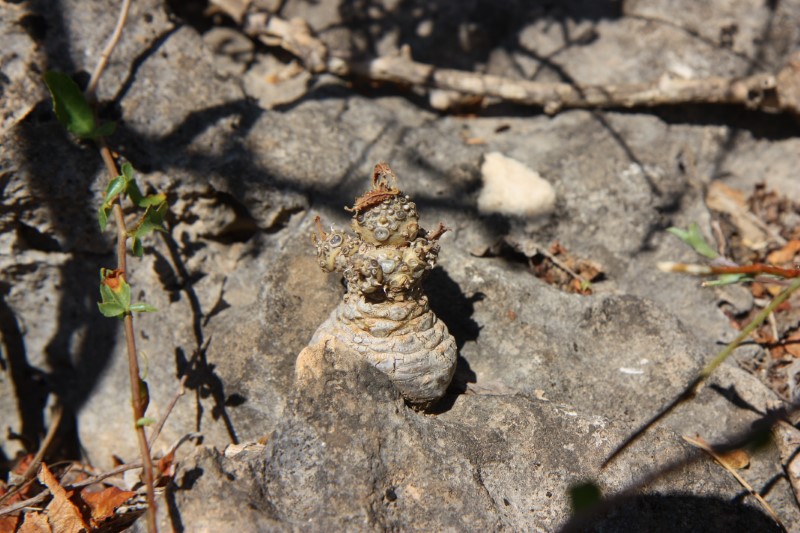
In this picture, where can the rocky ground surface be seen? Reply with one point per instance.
(250, 148)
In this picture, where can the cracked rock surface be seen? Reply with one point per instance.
(547, 384)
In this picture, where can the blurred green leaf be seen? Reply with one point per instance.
(145, 421)
(727, 279)
(136, 194)
(584, 496)
(152, 220)
(110, 309)
(153, 200)
(136, 247)
(693, 238)
(71, 107)
(102, 216)
(113, 189)
(141, 307)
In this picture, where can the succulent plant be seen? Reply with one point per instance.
(385, 317)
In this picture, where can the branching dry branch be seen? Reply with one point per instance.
(771, 92)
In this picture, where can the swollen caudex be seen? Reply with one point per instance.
(385, 317)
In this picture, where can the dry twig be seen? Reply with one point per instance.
(771, 92)
(703, 445)
(108, 50)
(697, 383)
(157, 430)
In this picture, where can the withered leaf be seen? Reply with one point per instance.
(736, 459)
(64, 517)
(35, 523)
(8, 523)
(792, 344)
(103, 503)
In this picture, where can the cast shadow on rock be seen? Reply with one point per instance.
(78, 352)
(667, 513)
(730, 394)
(29, 385)
(455, 309)
(461, 34)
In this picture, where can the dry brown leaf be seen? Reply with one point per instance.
(103, 503)
(737, 459)
(8, 523)
(63, 515)
(35, 523)
(792, 344)
(785, 254)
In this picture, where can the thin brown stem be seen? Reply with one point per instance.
(108, 50)
(130, 342)
(138, 414)
(787, 273)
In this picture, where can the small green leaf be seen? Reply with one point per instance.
(152, 220)
(102, 216)
(145, 421)
(135, 194)
(70, 105)
(727, 279)
(584, 496)
(132, 188)
(110, 309)
(152, 199)
(142, 307)
(695, 240)
(114, 188)
(136, 247)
